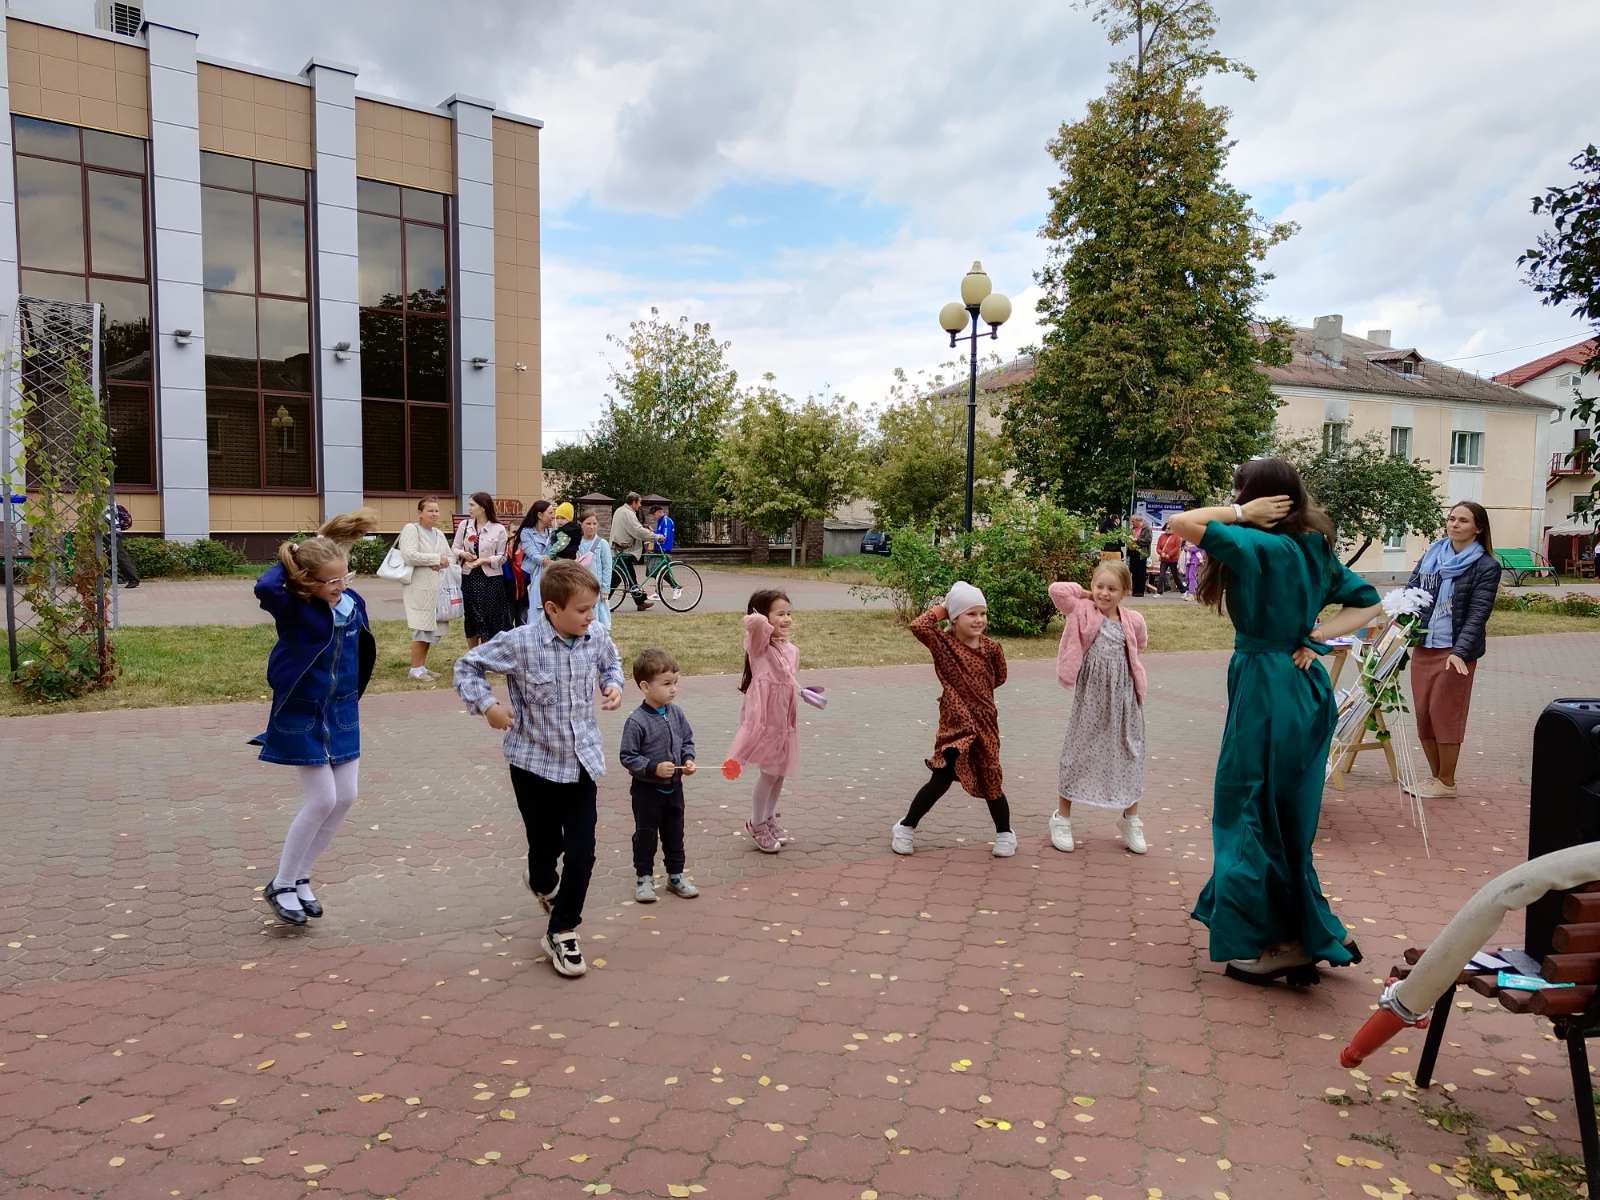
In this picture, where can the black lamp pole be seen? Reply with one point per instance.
(977, 332)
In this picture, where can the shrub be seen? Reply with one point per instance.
(1573, 604)
(367, 555)
(154, 558)
(207, 557)
(1026, 546)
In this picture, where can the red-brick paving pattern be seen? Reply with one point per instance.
(827, 1023)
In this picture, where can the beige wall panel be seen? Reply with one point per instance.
(517, 330)
(401, 145)
(255, 116)
(144, 508)
(81, 80)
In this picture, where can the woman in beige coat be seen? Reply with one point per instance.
(424, 548)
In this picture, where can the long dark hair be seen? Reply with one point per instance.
(486, 502)
(1254, 479)
(1480, 516)
(531, 516)
(760, 602)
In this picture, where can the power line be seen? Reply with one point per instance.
(1507, 350)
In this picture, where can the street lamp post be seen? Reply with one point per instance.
(981, 305)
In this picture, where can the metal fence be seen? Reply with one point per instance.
(57, 534)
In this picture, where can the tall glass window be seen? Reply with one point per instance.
(259, 434)
(83, 215)
(406, 426)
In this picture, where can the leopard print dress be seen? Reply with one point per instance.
(969, 722)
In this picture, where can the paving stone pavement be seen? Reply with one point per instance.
(825, 1023)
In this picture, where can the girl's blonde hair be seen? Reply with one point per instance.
(1114, 566)
(331, 544)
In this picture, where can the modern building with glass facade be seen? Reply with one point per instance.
(313, 297)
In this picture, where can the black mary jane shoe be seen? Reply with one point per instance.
(313, 907)
(289, 916)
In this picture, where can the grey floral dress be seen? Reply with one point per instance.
(1102, 757)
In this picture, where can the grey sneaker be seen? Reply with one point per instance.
(565, 956)
(679, 886)
(902, 838)
(644, 891)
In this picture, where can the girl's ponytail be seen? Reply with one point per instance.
(331, 544)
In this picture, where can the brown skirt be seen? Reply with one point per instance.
(1440, 696)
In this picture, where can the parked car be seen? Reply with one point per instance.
(875, 541)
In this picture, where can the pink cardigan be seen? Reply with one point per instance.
(1083, 625)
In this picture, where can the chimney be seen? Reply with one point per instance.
(1381, 336)
(1327, 339)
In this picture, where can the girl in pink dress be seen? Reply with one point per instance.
(767, 738)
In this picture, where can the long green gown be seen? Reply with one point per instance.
(1263, 889)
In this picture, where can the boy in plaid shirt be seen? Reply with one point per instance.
(552, 742)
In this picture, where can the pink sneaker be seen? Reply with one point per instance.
(766, 841)
(778, 831)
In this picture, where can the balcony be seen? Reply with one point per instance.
(1560, 466)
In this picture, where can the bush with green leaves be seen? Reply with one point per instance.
(208, 557)
(367, 554)
(154, 558)
(1027, 545)
(1573, 604)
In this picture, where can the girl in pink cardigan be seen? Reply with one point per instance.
(768, 738)
(1102, 757)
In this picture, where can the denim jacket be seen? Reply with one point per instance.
(317, 672)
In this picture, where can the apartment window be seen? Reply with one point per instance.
(1400, 441)
(1395, 539)
(1466, 449)
(406, 379)
(258, 326)
(83, 215)
(1333, 436)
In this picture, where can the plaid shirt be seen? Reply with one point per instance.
(552, 686)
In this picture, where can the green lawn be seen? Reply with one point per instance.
(833, 568)
(212, 664)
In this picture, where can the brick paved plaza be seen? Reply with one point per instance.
(827, 1024)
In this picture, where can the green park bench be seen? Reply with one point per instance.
(1522, 563)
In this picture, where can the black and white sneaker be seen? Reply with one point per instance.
(565, 956)
(546, 900)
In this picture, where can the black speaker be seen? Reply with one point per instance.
(1564, 804)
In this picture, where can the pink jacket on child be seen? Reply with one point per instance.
(1083, 626)
(767, 737)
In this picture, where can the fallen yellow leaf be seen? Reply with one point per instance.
(1058, 1173)
(265, 1063)
(578, 1158)
(369, 1097)
(678, 1189)
(385, 1136)
(507, 1114)
(116, 1162)
(252, 1160)
(315, 1168)
(141, 1120)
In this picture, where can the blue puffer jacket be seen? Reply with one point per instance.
(316, 677)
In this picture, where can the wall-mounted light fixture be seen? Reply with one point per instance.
(479, 362)
(521, 366)
(182, 336)
(341, 351)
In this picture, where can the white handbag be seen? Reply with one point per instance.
(394, 566)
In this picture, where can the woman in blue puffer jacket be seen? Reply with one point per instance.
(317, 671)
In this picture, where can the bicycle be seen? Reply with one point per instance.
(678, 585)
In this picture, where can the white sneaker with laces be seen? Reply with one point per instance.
(1061, 833)
(1133, 834)
(565, 956)
(902, 839)
(1005, 844)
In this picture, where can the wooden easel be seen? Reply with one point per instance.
(1340, 655)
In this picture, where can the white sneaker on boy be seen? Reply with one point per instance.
(1005, 844)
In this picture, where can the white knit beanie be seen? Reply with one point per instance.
(962, 597)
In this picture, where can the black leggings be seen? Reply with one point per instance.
(939, 783)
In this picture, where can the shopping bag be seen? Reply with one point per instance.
(449, 606)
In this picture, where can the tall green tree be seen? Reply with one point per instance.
(1151, 282)
(1368, 492)
(671, 389)
(781, 462)
(1564, 268)
(917, 467)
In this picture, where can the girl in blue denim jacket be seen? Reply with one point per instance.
(317, 672)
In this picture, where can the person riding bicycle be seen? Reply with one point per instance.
(631, 540)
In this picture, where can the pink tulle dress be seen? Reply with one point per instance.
(767, 738)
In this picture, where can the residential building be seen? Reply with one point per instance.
(1481, 436)
(314, 297)
(1559, 378)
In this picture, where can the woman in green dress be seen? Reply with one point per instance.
(1270, 556)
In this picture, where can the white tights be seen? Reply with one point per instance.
(329, 793)
(764, 800)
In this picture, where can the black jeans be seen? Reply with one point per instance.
(657, 813)
(560, 820)
(938, 784)
(125, 568)
(1139, 570)
(1169, 571)
(625, 562)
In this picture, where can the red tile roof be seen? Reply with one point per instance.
(1578, 353)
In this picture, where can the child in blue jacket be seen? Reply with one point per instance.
(317, 672)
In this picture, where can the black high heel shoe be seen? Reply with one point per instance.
(289, 916)
(313, 907)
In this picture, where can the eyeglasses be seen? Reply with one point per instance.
(345, 580)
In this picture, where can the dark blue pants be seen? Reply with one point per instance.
(657, 813)
(560, 819)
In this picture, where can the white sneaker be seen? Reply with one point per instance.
(565, 956)
(677, 593)
(902, 839)
(421, 673)
(1133, 834)
(1005, 845)
(1061, 833)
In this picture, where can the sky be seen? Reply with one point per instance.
(813, 180)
